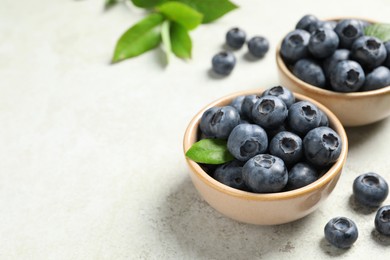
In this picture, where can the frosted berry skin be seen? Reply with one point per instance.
(235, 38)
(269, 112)
(310, 71)
(218, 122)
(308, 23)
(347, 76)
(303, 116)
(223, 63)
(382, 220)
(247, 105)
(295, 46)
(376, 79)
(230, 174)
(300, 175)
(258, 46)
(348, 30)
(369, 51)
(323, 43)
(370, 189)
(281, 92)
(330, 63)
(341, 232)
(287, 146)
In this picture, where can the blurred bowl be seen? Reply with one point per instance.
(268, 208)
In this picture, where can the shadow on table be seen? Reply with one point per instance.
(203, 232)
(331, 250)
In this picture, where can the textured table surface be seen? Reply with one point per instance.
(91, 154)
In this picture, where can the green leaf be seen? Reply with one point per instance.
(181, 41)
(181, 13)
(147, 3)
(378, 30)
(166, 39)
(210, 151)
(110, 3)
(211, 9)
(141, 37)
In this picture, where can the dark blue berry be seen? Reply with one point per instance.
(218, 122)
(295, 46)
(324, 118)
(308, 23)
(300, 175)
(370, 189)
(347, 76)
(230, 174)
(223, 63)
(269, 112)
(258, 46)
(310, 71)
(303, 116)
(330, 63)
(287, 146)
(247, 105)
(237, 104)
(265, 173)
(323, 43)
(235, 38)
(378, 78)
(281, 92)
(382, 220)
(348, 31)
(369, 51)
(246, 141)
(387, 61)
(341, 232)
(327, 24)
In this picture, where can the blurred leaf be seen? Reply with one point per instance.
(147, 3)
(110, 3)
(210, 151)
(378, 30)
(165, 35)
(181, 41)
(181, 13)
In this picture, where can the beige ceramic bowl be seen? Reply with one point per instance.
(353, 109)
(263, 209)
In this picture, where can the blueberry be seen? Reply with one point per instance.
(218, 122)
(330, 63)
(327, 24)
(387, 61)
(295, 46)
(310, 71)
(281, 92)
(308, 23)
(324, 118)
(369, 51)
(323, 43)
(300, 175)
(258, 46)
(348, 31)
(322, 146)
(230, 174)
(303, 116)
(235, 38)
(237, 104)
(247, 105)
(269, 112)
(287, 146)
(265, 173)
(382, 220)
(341, 232)
(223, 63)
(378, 78)
(247, 140)
(370, 189)
(347, 76)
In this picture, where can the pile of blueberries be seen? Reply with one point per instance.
(369, 190)
(224, 62)
(337, 55)
(278, 144)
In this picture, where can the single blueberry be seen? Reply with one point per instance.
(265, 173)
(247, 105)
(269, 112)
(369, 51)
(327, 24)
(348, 31)
(382, 220)
(303, 116)
(230, 174)
(347, 76)
(323, 43)
(310, 71)
(330, 63)
(237, 104)
(322, 146)
(295, 46)
(341, 232)
(324, 118)
(287, 146)
(370, 189)
(218, 122)
(308, 23)
(258, 46)
(300, 175)
(387, 61)
(378, 78)
(235, 38)
(281, 92)
(247, 140)
(223, 63)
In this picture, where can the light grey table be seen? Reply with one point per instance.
(91, 154)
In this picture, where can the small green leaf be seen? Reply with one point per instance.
(110, 3)
(378, 30)
(141, 37)
(181, 13)
(210, 151)
(181, 41)
(147, 3)
(211, 9)
(166, 39)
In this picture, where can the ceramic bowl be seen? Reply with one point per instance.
(353, 109)
(269, 208)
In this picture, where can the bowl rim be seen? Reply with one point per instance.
(324, 92)
(335, 169)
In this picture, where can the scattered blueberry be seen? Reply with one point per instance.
(295, 46)
(300, 175)
(223, 63)
(235, 38)
(303, 116)
(382, 220)
(269, 112)
(246, 141)
(309, 71)
(308, 23)
(230, 174)
(258, 46)
(322, 146)
(370, 189)
(348, 31)
(369, 51)
(323, 43)
(265, 173)
(287, 146)
(218, 122)
(281, 92)
(341, 232)
(378, 78)
(330, 63)
(347, 76)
